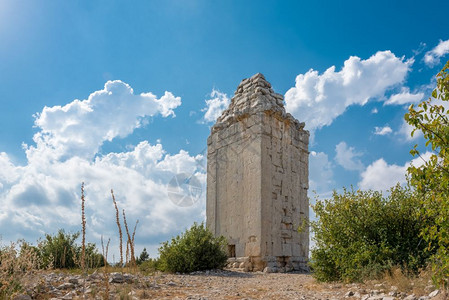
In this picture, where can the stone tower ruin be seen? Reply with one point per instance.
(257, 180)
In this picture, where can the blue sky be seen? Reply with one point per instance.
(114, 93)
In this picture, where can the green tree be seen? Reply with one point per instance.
(431, 179)
(194, 250)
(361, 234)
(144, 256)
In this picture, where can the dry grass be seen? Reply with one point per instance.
(16, 266)
(83, 223)
(105, 270)
(83, 241)
(117, 219)
(395, 279)
(130, 243)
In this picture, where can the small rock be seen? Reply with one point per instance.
(434, 293)
(73, 280)
(388, 298)
(66, 286)
(411, 297)
(349, 294)
(128, 278)
(171, 283)
(116, 278)
(377, 297)
(423, 298)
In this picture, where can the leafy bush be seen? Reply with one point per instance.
(194, 250)
(361, 234)
(62, 251)
(431, 179)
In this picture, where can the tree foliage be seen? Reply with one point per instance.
(431, 179)
(361, 234)
(194, 250)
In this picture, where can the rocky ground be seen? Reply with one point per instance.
(212, 285)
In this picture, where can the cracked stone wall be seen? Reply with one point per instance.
(257, 180)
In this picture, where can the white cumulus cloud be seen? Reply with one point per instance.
(404, 97)
(382, 130)
(81, 126)
(319, 99)
(215, 105)
(432, 57)
(44, 194)
(381, 176)
(348, 158)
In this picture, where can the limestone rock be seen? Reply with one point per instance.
(116, 278)
(434, 293)
(66, 286)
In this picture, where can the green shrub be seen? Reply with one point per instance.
(61, 251)
(361, 234)
(194, 250)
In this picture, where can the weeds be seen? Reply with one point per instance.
(15, 267)
(83, 242)
(119, 227)
(105, 270)
(408, 282)
(130, 242)
(83, 220)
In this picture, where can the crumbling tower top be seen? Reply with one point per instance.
(254, 95)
